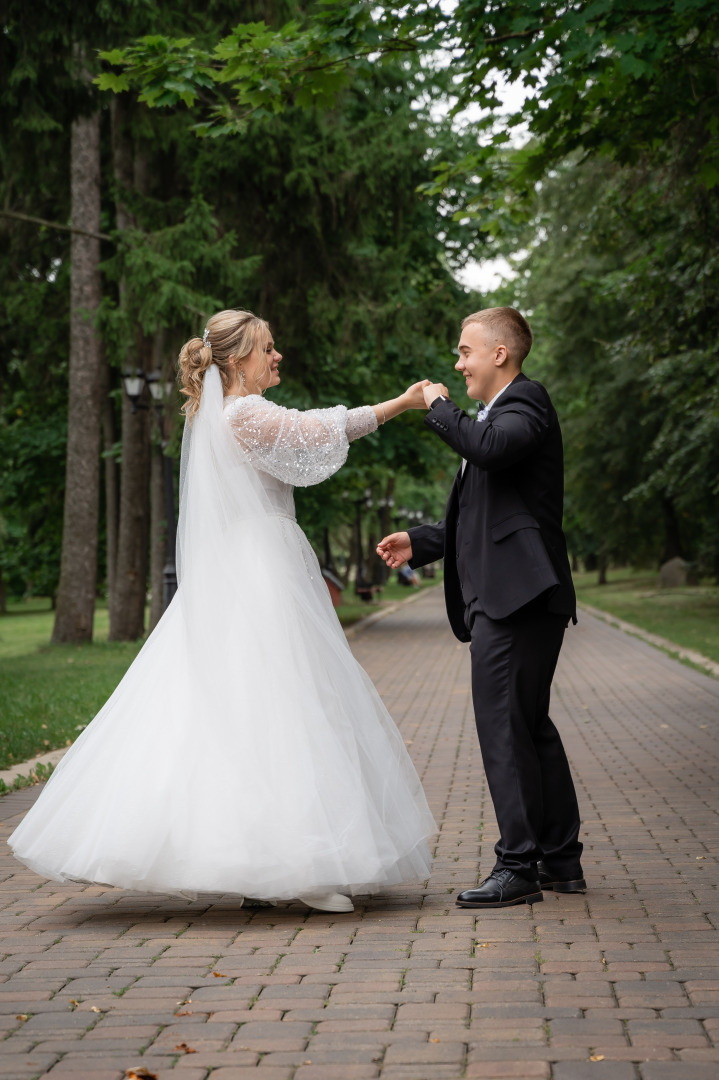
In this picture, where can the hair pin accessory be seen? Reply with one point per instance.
(206, 337)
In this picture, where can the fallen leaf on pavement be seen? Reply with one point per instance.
(596, 1057)
(434, 1040)
(140, 1073)
(185, 1012)
(94, 1008)
(185, 1048)
(74, 1003)
(219, 975)
(23, 1017)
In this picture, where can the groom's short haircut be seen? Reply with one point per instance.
(510, 325)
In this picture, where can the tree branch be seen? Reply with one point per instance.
(392, 46)
(511, 37)
(53, 225)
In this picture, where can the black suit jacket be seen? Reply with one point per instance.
(502, 537)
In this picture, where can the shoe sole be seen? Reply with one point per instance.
(578, 886)
(532, 898)
(328, 908)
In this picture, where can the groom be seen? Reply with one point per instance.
(509, 592)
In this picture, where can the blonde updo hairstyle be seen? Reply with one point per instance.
(231, 337)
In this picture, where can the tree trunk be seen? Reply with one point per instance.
(3, 597)
(359, 555)
(78, 566)
(127, 606)
(328, 557)
(157, 535)
(602, 563)
(385, 525)
(111, 483)
(672, 538)
(127, 610)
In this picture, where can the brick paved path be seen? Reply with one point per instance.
(622, 983)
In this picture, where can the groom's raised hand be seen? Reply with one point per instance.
(395, 549)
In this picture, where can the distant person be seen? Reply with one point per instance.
(245, 752)
(509, 592)
(407, 576)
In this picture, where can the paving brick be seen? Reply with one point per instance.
(508, 1070)
(425, 1053)
(593, 1070)
(675, 1070)
(417, 1072)
(329, 1072)
(409, 987)
(26, 1065)
(269, 1072)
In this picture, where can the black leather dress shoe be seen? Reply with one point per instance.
(560, 883)
(501, 889)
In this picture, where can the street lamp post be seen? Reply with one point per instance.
(160, 392)
(384, 511)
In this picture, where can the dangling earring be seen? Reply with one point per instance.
(243, 380)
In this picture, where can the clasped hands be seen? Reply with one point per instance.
(421, 394)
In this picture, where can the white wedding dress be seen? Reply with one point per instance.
(245, 751)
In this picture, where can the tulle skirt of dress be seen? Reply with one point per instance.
(244, 752)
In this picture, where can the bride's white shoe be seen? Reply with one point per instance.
(330, 901)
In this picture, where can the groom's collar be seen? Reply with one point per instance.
(519, 377)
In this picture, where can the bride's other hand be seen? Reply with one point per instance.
(414, 395)
(395, 549)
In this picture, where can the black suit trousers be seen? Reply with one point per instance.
(513, 662)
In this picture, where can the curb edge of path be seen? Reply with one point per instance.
(24, 767)
(671, 647)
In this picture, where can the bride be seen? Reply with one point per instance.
(245, 751)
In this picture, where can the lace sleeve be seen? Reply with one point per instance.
(360, 422)
(300, 448)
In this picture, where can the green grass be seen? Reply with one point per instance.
(687, 616)
(48, 693)
(28, 626)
